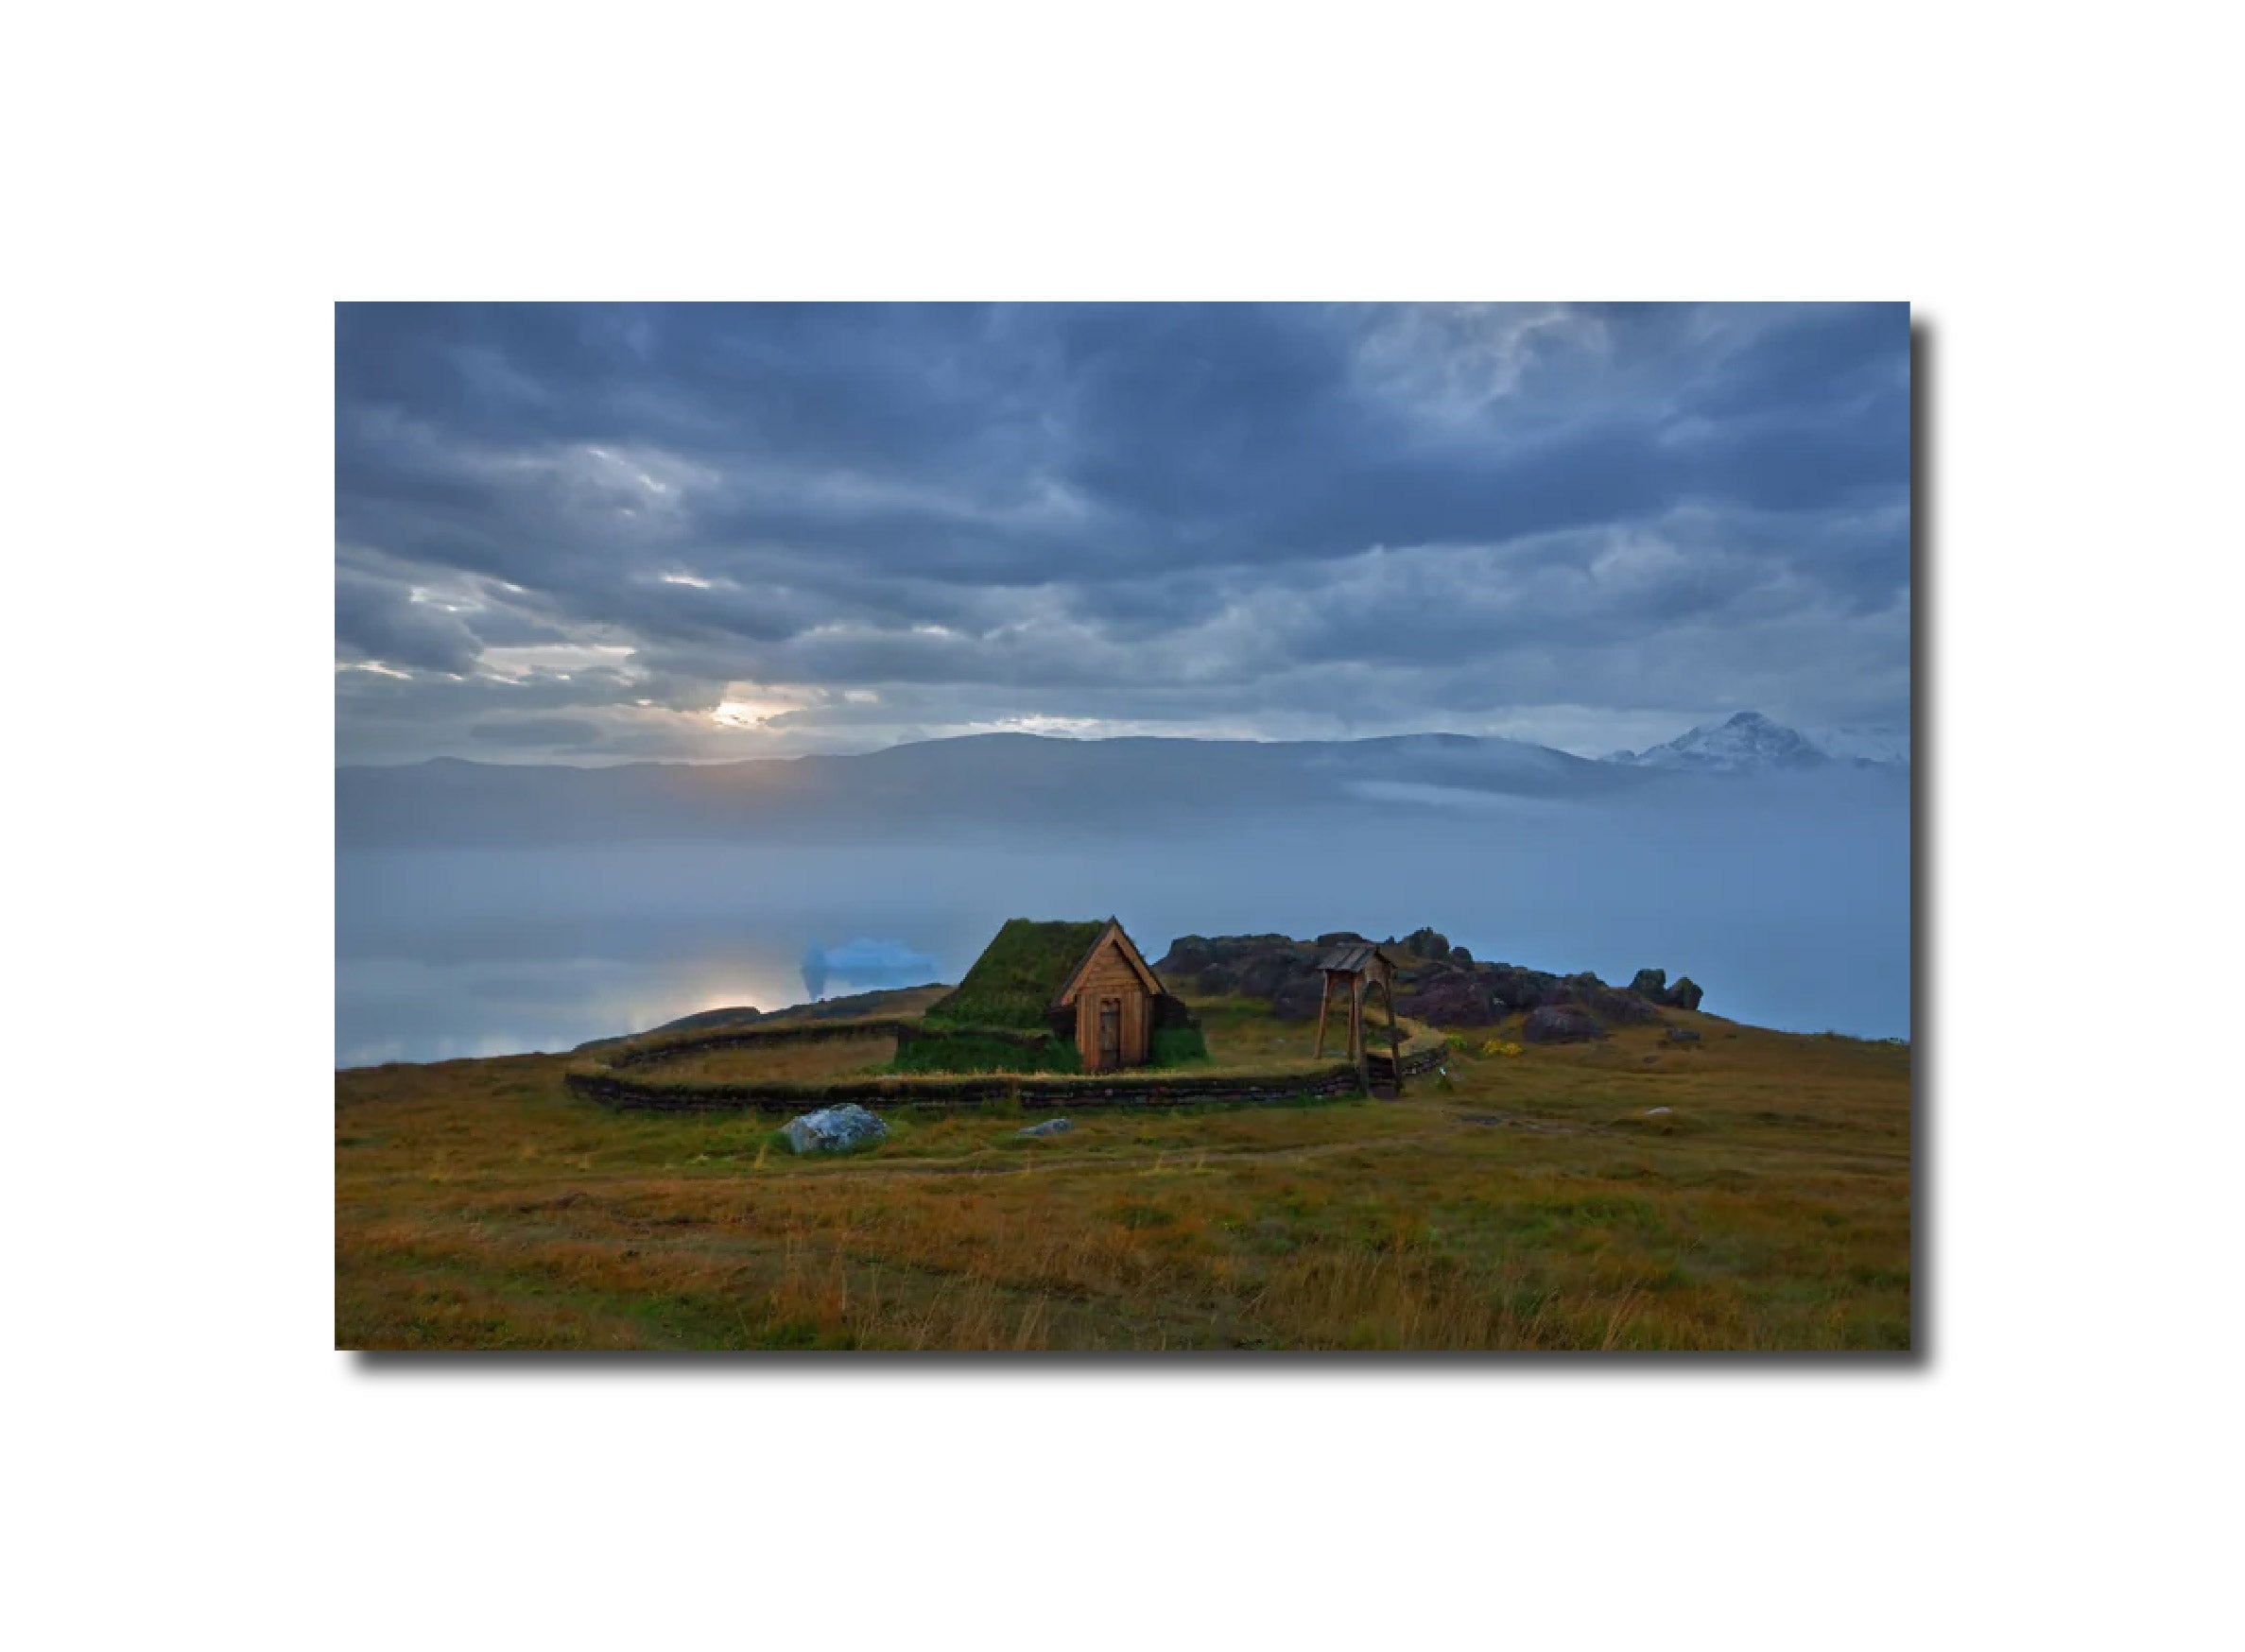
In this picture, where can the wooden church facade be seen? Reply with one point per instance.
(1085, 982)
(1111, 996)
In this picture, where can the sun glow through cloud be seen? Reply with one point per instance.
(734, 714)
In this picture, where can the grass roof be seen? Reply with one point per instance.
(1019, 973)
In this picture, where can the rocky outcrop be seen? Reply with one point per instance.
(1516, 988)
(1252, 966)
(1267, 972)
(1435, 981)
(1609, 1004)
(1558, 1023)
(1187, 955)
(1451, 998)
(1653, 986)
(1428, 943)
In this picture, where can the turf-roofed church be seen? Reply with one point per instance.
(1087, 982)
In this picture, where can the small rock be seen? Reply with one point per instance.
(831, 1129)
(1682, 1035)
(1651, 1111)
(1049, 1127)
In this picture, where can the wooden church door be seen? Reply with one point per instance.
(1110, 1033)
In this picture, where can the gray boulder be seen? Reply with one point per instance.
(1049, 1127)
(833, 1129)
(1682, 1035)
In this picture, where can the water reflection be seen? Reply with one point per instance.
(420, 1009)
(1793, 909)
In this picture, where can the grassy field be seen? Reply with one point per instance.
(740, 1063)
(1532, 1201)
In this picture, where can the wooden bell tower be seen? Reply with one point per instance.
(1356, 967)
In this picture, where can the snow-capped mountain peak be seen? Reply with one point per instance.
(1751, 741)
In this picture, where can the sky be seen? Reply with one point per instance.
(599, 533)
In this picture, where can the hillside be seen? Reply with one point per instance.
(846, 1006)
(1045, 781)
(1739, 1189)
(1016, 778)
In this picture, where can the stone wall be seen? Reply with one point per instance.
(1127, 1089)
(1415, 1064)
(605, 1079)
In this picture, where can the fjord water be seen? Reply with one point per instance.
(1787, 896)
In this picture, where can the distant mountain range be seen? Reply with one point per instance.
(1019, 780)
(1749, 740)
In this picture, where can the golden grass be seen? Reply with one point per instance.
(1535, 1203)
(739, 1063)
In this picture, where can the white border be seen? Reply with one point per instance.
(200, 185)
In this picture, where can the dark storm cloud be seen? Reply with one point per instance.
(1059, 511)
(525, 732)
(378, 621)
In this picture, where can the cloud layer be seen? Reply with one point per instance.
(591, 533)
